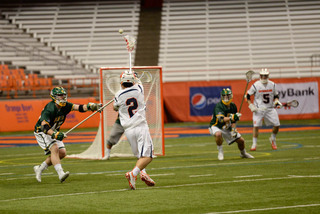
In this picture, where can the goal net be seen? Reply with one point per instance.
(151, 78)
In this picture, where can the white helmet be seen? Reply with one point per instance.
(127, 77)
(264, 72)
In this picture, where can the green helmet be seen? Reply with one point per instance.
(226, 96)
(59, 96)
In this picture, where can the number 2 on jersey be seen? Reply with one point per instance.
(133, 105)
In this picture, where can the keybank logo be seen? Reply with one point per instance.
(199, 101)
(204, 99)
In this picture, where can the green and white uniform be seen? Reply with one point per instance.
(55, 118)
(217, 124)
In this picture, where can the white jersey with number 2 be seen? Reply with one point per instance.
(131, 105)
(263, 94)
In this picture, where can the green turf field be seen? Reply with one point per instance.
(189, 179)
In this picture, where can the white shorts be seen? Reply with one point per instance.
(140, 141)
(270, 117)
(46, 142)
(226, 134)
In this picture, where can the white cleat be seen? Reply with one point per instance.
(146, 178)
(246, 155)
(220, 156)
(132, 180)
(63, 176)
(38, 172)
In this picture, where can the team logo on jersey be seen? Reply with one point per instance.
(199, 101)
(204, 99)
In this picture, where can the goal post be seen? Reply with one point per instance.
(151, 78)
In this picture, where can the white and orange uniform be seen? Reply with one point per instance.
(264, 95)
(132, 113)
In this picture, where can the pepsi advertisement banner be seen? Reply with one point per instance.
(204, 99)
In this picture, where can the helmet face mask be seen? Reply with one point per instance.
(226, 96)
(264, 75)
(59, 96)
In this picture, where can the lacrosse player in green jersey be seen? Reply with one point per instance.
(47, 131)
(223, 122)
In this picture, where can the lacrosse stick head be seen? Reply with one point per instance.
(249, 75)
(130, 42)
(145, 77)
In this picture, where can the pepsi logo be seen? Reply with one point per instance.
(198, 101)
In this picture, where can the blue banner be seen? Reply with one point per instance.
(204, 99)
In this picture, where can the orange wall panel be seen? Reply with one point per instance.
(22, 115)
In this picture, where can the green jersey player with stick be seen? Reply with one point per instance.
(222, 124)
(47, 131)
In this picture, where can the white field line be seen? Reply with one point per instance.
(247, 176)
(156, 187)
(196, 176)
(163, 168)
(268, 208)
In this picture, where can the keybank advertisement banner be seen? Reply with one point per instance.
(306, 93)
(204, 99)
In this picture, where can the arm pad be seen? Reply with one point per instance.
(248, 96)
(81, 108)
(45, 128)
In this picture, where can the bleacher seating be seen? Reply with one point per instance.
(200, 40)
(210, 40)
(84, 31)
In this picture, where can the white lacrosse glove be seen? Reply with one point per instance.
(277, 104)
(234, 132)
(94, 106)
(253, 108)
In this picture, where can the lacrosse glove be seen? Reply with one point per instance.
(277, 104)
(94, 106)
(58, 135)
(253, 108)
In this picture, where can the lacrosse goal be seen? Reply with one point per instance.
(151, 78)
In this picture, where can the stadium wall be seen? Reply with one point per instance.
(183, 102)
(194, 101)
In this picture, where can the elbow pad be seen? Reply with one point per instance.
(45, 128)
(81, 108)
(248, 96)
(221, 119)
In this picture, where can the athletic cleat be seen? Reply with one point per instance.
(273, 144)
(146, 178)
(63, 176)
(253, 149)
(131, 179)
(246, 155)
(38, 172)
(220, 156)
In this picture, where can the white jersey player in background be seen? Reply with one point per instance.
(266, 99)
(129, 102)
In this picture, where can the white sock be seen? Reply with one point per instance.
(136, 171)
(273, 137)
(243, 151)
(144, 170)
(220, 148)
(43, 166)
(254, 141)
(58, 168)
(108, 153)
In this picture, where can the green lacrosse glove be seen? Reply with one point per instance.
(58, 135)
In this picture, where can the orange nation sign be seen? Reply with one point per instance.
(22, 115)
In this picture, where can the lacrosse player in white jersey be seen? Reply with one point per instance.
(129, 102)
(266, 99)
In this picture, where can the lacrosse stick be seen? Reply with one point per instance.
(249, 75)
(99, 110)
(130, 46)
(292, 103)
